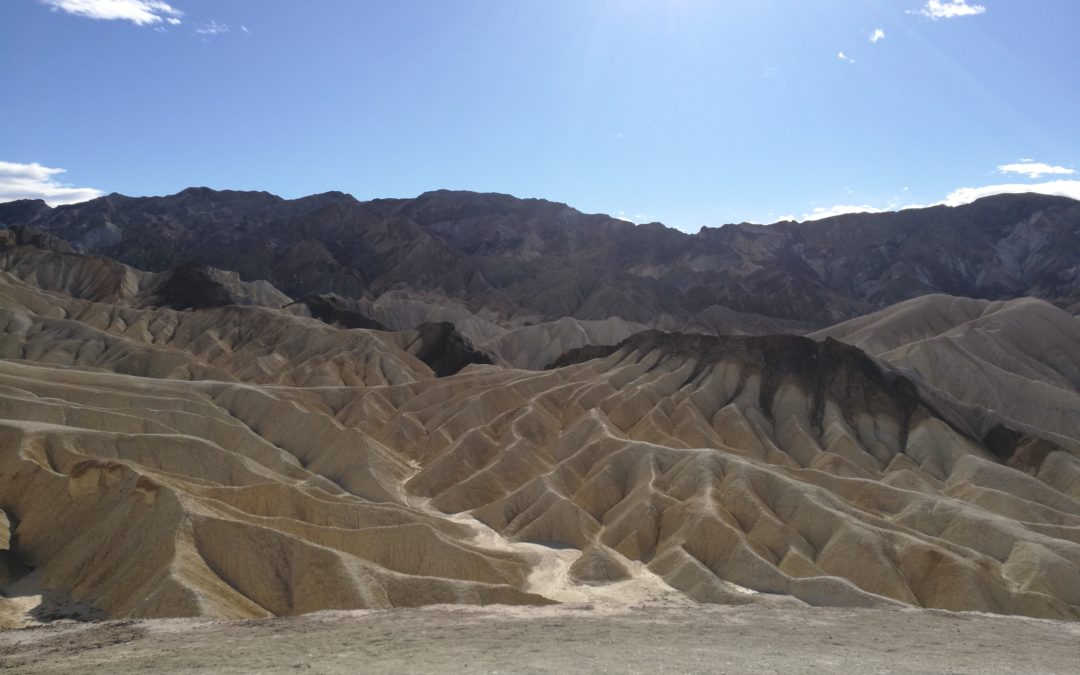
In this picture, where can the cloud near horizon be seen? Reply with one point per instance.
(838, 210)
(958, 197)
(34, 181)
(635, 218)
(948, 9)
(1056, 188)
(1033, 169)
(139, 12)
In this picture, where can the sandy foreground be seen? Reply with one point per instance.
(576, 638)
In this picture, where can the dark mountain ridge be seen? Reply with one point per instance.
(531, 257)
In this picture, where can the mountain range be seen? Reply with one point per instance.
(535, 260)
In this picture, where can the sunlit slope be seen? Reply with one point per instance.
(774, 463)
(103, 280)
(248, 344)
(243, 461)
(220, 501)
(1019, 359)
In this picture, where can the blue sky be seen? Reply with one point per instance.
(688, 112)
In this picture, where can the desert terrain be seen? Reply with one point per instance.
(563, 639)
(190, 456)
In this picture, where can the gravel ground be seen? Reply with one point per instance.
(558, 639)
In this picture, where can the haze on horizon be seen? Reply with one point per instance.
(687, 112)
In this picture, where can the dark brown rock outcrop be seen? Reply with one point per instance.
(337, 311)
(444, 349)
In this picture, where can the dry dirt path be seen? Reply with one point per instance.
(558, 639)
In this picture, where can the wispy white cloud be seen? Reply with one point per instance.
(877, 36)
(212, 28)
(947, 9)
(34, 181)
(244, 28)
(1033, 169)
(139, 12)
(844, 57)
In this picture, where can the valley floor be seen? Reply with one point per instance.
(565, 638)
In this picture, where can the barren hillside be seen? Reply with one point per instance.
(247, 461)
